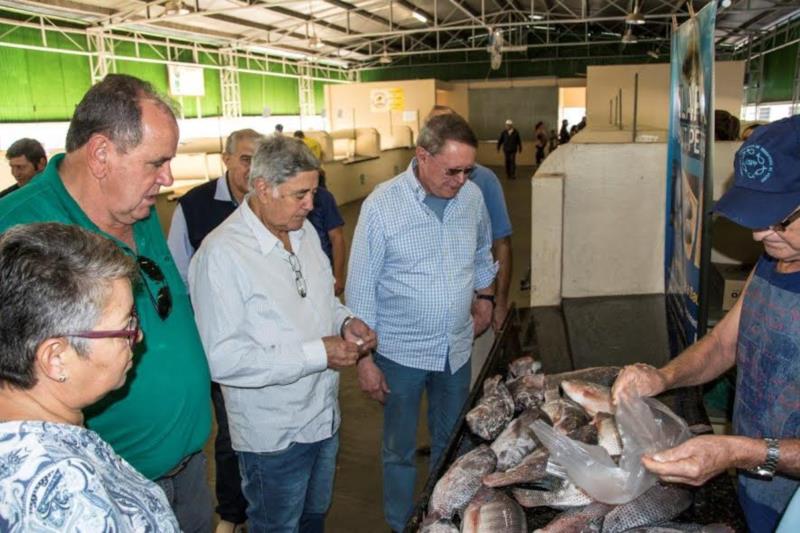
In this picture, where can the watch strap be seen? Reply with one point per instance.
(770, 465)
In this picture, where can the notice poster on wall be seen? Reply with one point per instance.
(186, 80)
(390, 99)
(689, 178)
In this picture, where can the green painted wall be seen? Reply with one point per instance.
(43, 86)
(779, 69)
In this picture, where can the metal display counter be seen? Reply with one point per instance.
(581, 334)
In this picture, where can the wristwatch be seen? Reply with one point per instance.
(489, 297)
(767, 469)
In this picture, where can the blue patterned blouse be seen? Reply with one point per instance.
(60, 477)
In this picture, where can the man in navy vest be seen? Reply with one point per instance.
(198, 212)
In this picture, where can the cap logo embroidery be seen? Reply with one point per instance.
(755, 163)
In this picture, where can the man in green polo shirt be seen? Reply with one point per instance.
(119, 146)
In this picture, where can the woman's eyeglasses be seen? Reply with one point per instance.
(163, 298)
(299, 281)
(132, 332)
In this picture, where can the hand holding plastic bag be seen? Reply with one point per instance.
(646, 426)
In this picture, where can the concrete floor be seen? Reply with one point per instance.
(357, 499)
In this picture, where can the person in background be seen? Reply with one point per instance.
(26, 157)
(563, 134)
(540, 133)
(748, 131)
(71, 289)
(760, 335)
(511, 144)
(199, 211)
(582, 123)
(495, 201)
(278, 129)
(573, 131)
(120, 142)
(426, 316)
(312, 143)
(276, 337)
(552, 141)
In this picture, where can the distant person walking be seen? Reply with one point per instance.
(563, 135)
(511, 144)
(540, 133)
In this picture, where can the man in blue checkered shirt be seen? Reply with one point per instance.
(421, 275)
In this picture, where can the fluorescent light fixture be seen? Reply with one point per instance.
(420, 17)
(534, 16)
(385, 59)
(610, 34)
(629, 37)
(653, 54)
(539, 27)
(725, 3)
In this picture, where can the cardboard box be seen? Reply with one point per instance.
(727, 282)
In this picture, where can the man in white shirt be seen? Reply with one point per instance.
(275, 336)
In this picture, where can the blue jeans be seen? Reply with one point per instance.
(189, 495)
(290, 490)
(446, 396)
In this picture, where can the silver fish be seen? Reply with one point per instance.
(437, 525)
(608, 434)
(461, 481)
(491, 511)
(517, 440)
(658, 504)
(527, 391)
(591, 396)
(566, 415)
(494, 410)
(532, 468)
(523, 366)
(564, 496)
(588, 519)
(669, 527)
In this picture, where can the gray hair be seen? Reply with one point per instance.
(113, 108)
(54, 279)
(280, 158)
(30, 148)
(242, 135)
(442, 128)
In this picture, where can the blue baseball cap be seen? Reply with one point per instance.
(766, 187)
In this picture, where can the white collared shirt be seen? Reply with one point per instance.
(262, 339)
(178, 237)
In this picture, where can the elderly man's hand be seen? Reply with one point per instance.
(358, 332)
(638, 380)
(695, 461)
(482, 311)
(371, 379)
(341, 353)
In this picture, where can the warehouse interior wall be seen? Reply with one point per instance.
(598, 220)
(604, 82)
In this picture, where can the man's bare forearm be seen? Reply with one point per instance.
(501, 250)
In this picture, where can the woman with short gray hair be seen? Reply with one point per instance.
(67, 331)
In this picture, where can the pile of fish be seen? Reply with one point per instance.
(486, 489)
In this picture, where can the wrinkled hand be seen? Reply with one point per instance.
(358, 332)
(695, 461)
(481, 315)
(499, 316)
(638, 380)
(371, 380)
(341, 353)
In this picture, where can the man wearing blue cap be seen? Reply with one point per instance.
(760, 335)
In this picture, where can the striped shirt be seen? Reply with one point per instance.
(411, 276)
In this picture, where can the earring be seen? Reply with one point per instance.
(62, 378)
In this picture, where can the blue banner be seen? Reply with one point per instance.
(689, 177)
